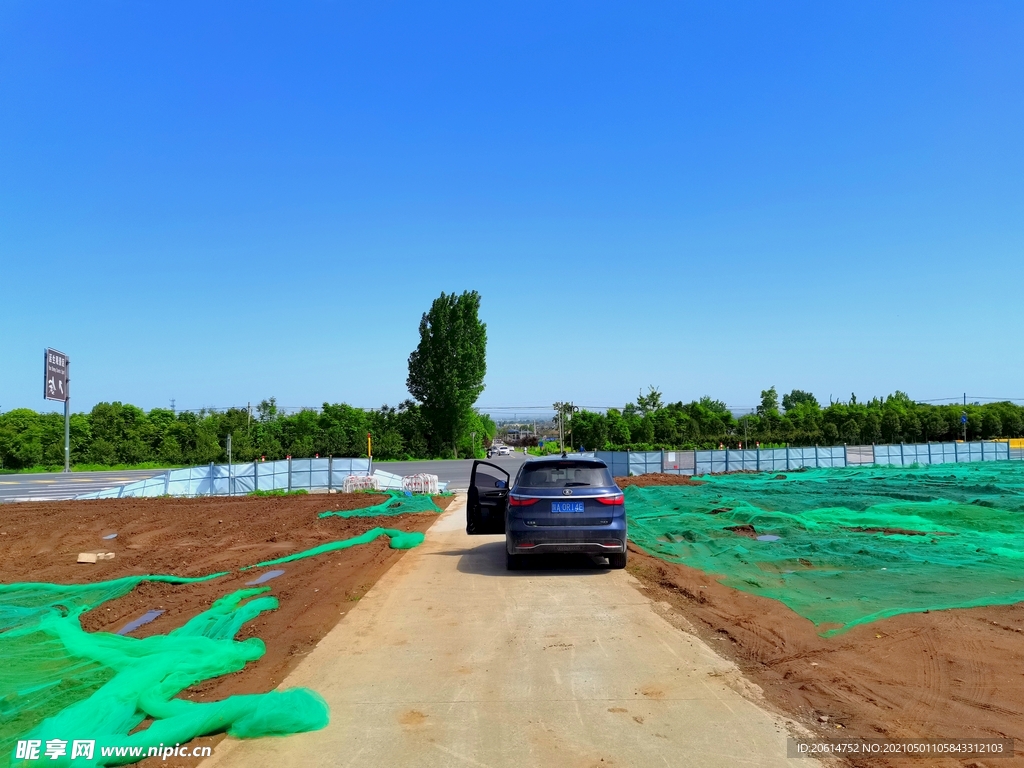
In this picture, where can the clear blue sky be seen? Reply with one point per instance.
(218, 202)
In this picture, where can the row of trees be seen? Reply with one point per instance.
(650, 424)
(446, 376)
(116, 433)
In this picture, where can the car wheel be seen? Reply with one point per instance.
(513, 562)
(617, 561)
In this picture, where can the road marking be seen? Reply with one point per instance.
(42, 481)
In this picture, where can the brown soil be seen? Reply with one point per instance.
(657, 478)
(943, 674)
(747, 531)
(196, 537)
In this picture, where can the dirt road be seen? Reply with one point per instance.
(450, 660)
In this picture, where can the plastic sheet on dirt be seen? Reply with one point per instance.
(854, 545)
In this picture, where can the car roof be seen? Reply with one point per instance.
(556, 460)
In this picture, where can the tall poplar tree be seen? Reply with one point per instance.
(446, 370)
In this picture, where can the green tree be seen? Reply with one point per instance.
(798, 397)
(649, 403)
(446, 370)
(769, 402)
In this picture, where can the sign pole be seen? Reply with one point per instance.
(57, 386)
(67, 432)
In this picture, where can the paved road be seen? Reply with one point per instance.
(449, 660)
(455, 472)
(41, 487)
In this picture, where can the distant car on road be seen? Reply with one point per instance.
(555, 505)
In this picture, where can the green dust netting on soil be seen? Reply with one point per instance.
(848, 546)
(399, 540)
(58, 681)
(398, 503)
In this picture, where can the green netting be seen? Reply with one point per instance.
(399, 540)
(853, 545)
(398, 503)
(61, 682)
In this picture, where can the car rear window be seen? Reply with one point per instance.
(565, 475)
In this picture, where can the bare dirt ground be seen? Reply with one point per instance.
(656, 478)
(39, 542)
(943, 674)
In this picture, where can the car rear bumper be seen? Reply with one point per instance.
(597, 540)
(558, 547)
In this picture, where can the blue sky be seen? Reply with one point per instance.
(218, 202)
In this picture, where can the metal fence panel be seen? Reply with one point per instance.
(831, 456)
(917, 453)
(220, 479)
(799, 458)
(775, 459)
(859, 454)
(888, 454)
(702, 462)
(741, 460)
(678, 462)
(243, 479)
(644, 462)
(238, 479)
(617, 461)
(718, 461)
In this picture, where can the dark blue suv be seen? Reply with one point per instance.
(555, 505)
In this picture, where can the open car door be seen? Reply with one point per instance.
(488, 499)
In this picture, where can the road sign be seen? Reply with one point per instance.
(55, 378)
(963, 419)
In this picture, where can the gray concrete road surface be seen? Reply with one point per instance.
(449, 660)
(454, 472)
(57, 485)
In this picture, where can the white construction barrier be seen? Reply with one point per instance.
(421, 483)
(361, 483)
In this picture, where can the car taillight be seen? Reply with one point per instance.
(519, 501)
(611, 500)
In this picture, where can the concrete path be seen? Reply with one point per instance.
(452, 661)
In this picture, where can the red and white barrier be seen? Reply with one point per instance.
(361, 483)
(421, 483)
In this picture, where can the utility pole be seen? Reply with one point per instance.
(175, 412)
(963, 418)
(561, 425)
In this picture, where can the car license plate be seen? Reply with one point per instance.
(563, 507)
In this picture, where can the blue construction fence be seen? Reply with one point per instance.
(623, 463)
(240, 479)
